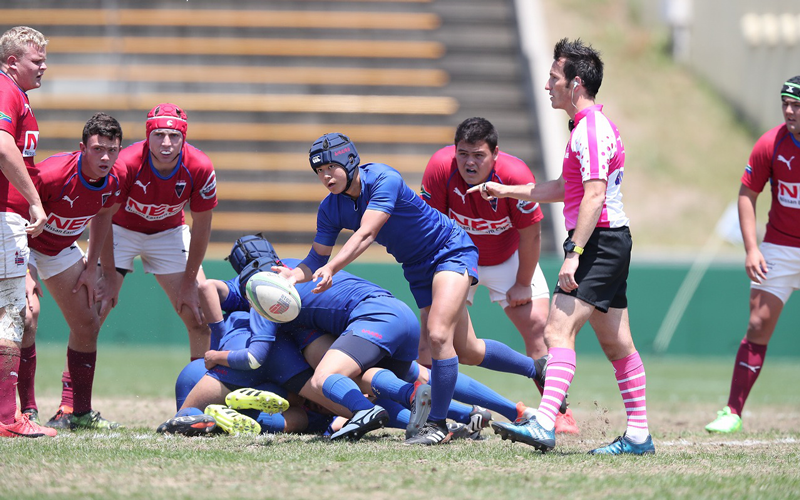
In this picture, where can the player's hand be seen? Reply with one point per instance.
(32, 286)
(190, 298)
(285, 272)
(323, 277)
(755, 266)
(38, 219)
(210, 358)
(518, 295)
(489, 190)
(87, 278)
(566, 276)
(108, 287)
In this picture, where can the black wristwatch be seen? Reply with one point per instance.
(570, 246)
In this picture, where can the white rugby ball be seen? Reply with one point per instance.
(273, 297)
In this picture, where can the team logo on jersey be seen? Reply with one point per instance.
(4, 117)
(424, 192)
(180, 186)
(19, 259)
(104, 198)
(526, 207)
(462, 195)
(787, 162)
(789, 194)
(143, 186)
(481, 226)
(65, 226)
(153, 212)
(31, 141)
(71, 201)
(210, 189)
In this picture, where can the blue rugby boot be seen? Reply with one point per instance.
(621, 446)
(529, 432)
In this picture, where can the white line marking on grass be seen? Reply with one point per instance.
(743, 443)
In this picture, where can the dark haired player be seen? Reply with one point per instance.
(78, 188)
(774, 267)
(592, 282)
(438, 258)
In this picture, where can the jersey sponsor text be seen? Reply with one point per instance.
(64, 226)
(481, 226)
(153, 212)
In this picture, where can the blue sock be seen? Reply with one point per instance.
(459, 412)
(272, 423)
(413, 372)
(188, 412)
(343, 391)
(217, 332)
(398, 416)
(470, 391)
(385, 384)
(501, 358)
(444, 373)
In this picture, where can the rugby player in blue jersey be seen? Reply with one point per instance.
(439, 261)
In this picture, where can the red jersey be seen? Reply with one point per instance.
(776, 158)
(152, 203)
(16, 118)
(69, 200)
(493, 226)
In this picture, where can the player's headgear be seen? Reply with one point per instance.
(249, 248)
(337, 149)
(791, 88)
(167, 115)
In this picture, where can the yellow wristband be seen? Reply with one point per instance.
(578, 250)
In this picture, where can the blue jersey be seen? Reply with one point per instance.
(414, 231)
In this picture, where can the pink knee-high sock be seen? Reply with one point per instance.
(746, 369)
(27, 376)
(632, 384)
(9, 368)
(560, 372)
(81, 369)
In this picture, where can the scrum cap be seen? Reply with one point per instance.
(791, 88)
(166, 115)
(251, 247)
(337, 149)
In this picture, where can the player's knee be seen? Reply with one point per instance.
(12, 309)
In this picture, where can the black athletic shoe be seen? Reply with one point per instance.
(431, 433)
(62, 419)
(361, 423)
(193, 425)
(541, 367)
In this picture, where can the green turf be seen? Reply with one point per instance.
(133, 386)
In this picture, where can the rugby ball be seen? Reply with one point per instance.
(273, 297)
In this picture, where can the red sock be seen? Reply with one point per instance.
(194, 359)
(27, 376)
(9, 367)
(747, 366)
(81, 370)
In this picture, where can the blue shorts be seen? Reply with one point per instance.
(194, 371)
(459, 254)
(285, 365)
(388, 323)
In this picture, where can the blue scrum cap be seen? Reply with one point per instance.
(249, 248)
(337, 149)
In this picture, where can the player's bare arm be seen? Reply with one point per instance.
(529, 250)
(591, 207)
(302, 273)
(109, 284)
(754, 264)
(13, 167)
(371, 224)
(201, 232)
(99, 229)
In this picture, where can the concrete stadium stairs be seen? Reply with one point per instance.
(260, 80)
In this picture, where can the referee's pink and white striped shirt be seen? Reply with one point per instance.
(595, 151)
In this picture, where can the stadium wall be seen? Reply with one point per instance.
(713, 324)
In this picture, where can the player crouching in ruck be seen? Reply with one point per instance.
(78, 188)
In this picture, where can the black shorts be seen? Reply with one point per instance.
(369, 355)
(602, 274)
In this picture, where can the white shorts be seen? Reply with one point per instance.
(12, 300)
(783, 271)
(162, 253)
(500, 278)
(52, 265)
(14, 243)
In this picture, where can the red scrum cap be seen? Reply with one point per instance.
(166, 115)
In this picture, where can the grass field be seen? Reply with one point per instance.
(134, 386)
